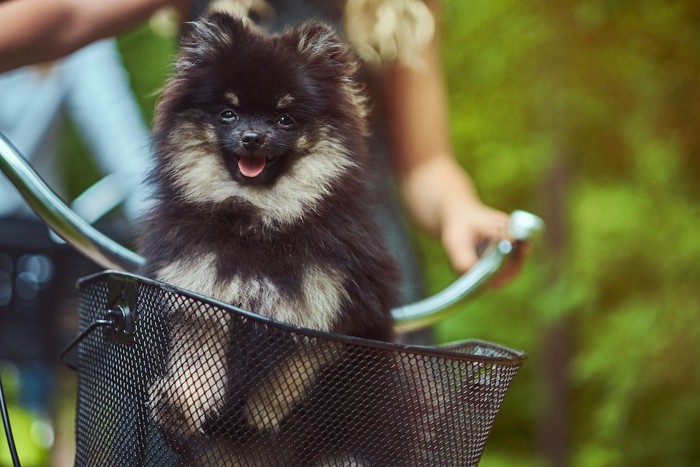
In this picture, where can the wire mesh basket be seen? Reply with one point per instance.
(254, 392)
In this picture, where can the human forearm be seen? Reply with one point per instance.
(35, 31)
(435, 189)
(420, 141)
(28, 37)
(439, 193)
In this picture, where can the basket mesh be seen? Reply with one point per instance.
(201, 383)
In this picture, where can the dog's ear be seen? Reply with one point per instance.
(319, 42)
(203, 39)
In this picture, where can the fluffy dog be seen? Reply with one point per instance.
(262, 202)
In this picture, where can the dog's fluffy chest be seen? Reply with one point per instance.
(315, 303)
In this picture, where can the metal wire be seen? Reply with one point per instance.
(204, 383)
(98, 323)
(8, 427)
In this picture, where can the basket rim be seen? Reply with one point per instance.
(446, 351)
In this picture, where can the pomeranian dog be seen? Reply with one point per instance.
(261, 201)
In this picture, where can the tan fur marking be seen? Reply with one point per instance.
(195, 383)
(196, 378)
(273, 400)
(232, 98)
(323, 292)
(202, 176)
(304, 144)
(199, 171)
(300, 190)
(285, 101)
(196, 274)
(323, 295)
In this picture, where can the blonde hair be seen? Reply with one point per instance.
(389, 30)
(379, 30)
(242, 8)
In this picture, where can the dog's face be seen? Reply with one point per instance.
(259, 100)
(265, 119)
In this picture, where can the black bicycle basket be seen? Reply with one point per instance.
(169, 378)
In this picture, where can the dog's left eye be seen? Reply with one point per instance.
(285, 121)
(228, 115)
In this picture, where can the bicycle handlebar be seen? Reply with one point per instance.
(111, 255)
(60, 218)
(426, 312)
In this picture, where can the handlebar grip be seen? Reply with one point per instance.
(425, 313)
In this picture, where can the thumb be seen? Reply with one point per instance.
(461, 250)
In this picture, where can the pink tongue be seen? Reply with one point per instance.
(251, 166)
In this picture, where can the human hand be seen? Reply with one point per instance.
(468, 226)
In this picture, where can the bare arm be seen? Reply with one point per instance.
(440, 195)
(35, 31)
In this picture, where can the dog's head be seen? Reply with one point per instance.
(273, 120)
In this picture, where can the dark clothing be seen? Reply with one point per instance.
(388, 210)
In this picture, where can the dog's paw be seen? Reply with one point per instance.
(266, 411)
(282, 390)
(171, 411)
(181, 405)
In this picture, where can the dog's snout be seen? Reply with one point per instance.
(252, 139)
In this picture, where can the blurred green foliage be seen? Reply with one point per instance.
(30, 449)
(609, 90)
(586, 112)
(147, 56)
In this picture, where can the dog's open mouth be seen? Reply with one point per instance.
(250, 166)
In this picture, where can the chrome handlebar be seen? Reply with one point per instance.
(426, 312)
(111, 255)
(60, 218)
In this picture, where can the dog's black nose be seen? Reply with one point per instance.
(252, 139)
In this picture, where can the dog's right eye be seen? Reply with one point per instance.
(228, 116)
